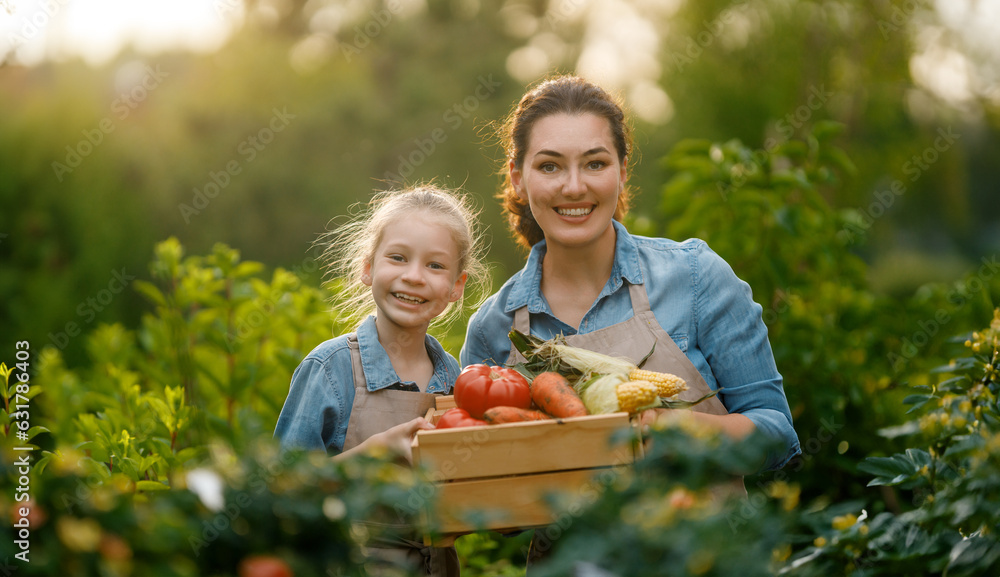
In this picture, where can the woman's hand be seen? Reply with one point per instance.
(397, 440)
(735, 425)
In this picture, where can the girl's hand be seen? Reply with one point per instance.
(399, 438)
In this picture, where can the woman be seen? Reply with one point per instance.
(588, 278)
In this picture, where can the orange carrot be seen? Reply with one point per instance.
(500, 415)
(554, 395)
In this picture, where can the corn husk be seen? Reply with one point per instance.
(595, 376)
(600, 393)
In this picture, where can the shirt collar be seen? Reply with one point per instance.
(526, 287)
(378, 369)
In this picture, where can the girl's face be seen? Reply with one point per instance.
(571, 178)
(414, 274)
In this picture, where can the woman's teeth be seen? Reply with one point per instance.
(407, 298)
(574, 211)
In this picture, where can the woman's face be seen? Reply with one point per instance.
(571, 178)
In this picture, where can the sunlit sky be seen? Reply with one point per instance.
(97, 29)
(622, 42)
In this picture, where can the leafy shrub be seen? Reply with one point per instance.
(952, 472)
(766, 211)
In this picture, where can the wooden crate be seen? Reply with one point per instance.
(503, 473)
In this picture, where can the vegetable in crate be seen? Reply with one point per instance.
(501, 415)
(554, 395)
(480, 387)
(456, 417)
(606, 384)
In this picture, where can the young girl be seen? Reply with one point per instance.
(408, 260)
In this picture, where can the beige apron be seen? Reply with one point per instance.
(633, 339)
(373, 413)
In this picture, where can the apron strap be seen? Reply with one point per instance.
(356, 368)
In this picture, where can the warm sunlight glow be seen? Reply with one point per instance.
(96, 30)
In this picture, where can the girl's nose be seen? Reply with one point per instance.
(413, 273)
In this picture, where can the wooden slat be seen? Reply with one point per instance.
(512, 503)
(523, 448)
(444, 402)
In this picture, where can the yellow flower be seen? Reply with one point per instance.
(700, 562)
(81, 535)
(844, 522)
(820, 542)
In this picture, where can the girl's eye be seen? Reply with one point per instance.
(397, 257)
(436, 265)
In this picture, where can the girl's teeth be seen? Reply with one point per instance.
(574, 211)
(408, 299)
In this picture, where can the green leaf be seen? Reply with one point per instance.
(888, 470)
(903, 430)
(151, 486)
(917, 401)
(151, 292)
(680, 404)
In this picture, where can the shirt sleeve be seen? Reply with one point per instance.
(733, 337)
(315, 414)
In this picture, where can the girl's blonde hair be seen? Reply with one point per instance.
(349, 248)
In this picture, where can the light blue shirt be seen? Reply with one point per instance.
(318, 407)
(696, 297)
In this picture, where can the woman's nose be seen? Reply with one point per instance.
(574, 184)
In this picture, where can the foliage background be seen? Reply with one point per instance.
(841, 155)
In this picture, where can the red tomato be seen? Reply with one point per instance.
(458, 418)
(264, 566)
(481, 387)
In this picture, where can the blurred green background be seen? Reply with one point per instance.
(298, 109)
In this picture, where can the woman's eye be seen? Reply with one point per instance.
(596, 164)
(547, 167)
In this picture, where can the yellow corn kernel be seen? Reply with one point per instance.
(667, 385)
(633, 395)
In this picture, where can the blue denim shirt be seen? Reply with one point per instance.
(696, 297)
(321, 394)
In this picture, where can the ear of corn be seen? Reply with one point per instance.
(596, 376)
(667, 384)
(636, 395)
(600, 393)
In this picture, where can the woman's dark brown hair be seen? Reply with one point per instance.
(558, 95)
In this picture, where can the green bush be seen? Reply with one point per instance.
(766, 211)
(951, 472)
